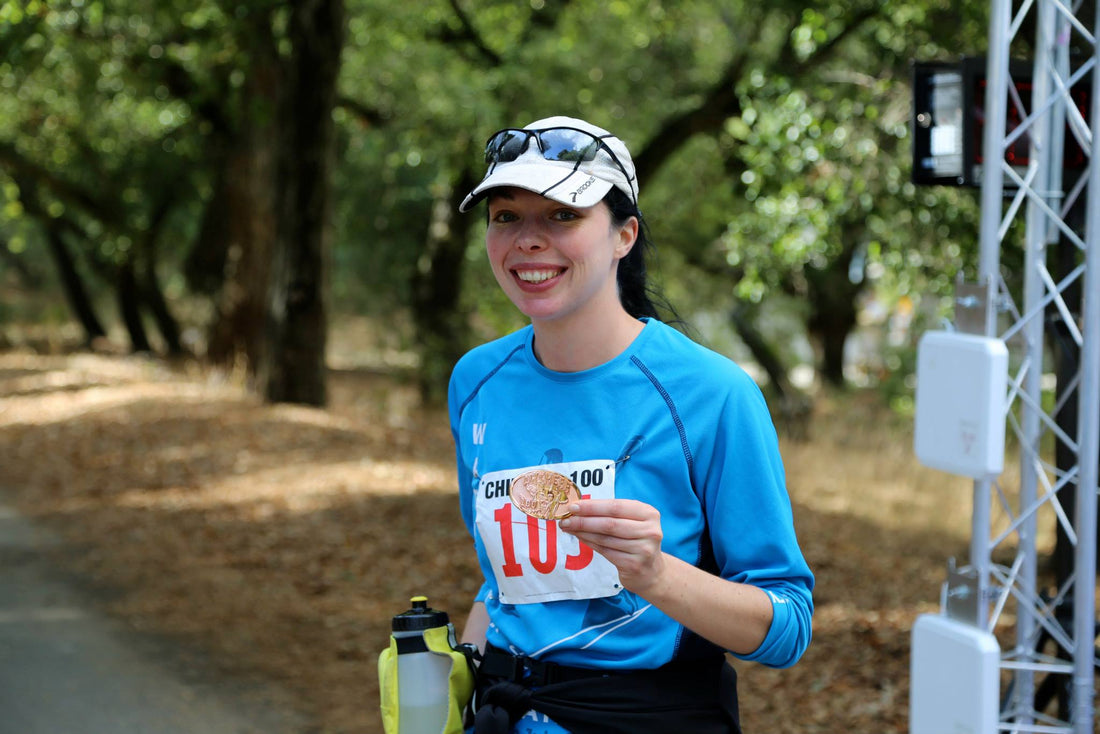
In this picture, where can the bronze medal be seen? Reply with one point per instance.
(544, 494)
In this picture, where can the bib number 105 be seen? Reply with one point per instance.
(544, 565)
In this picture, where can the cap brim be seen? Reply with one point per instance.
(575, 188)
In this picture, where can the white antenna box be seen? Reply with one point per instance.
(954, 678)
(960, 403)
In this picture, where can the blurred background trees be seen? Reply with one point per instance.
(235, 179)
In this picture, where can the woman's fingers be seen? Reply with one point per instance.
(626, 509)
(626, 532)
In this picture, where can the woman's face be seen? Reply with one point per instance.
(554, 260)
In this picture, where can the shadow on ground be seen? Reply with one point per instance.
(278, 541)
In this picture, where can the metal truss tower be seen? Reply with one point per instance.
(1051, 325)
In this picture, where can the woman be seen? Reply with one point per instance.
(618, 617)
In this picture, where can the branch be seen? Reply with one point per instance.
(823, 52)
(469, 35)
(721, 101)
(20, 167)
(545, 19)
(369, 116)
(163, 202)
(719, 104)
(182, 85)
(57, 226)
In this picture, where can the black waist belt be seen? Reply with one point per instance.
(699, 696)
(497, 663)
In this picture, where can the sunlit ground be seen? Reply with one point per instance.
(283, 538)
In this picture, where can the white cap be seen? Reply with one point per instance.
(581, 184)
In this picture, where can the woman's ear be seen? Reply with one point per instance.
(628, 235)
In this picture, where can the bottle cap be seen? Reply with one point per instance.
(420, 617)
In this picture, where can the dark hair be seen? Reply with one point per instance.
(637, 295)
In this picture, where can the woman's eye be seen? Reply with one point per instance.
(565, 215)
(504, 217)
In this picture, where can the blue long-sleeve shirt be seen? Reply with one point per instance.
(667, 422)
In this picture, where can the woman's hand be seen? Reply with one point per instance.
(625, 532)
(628, 534)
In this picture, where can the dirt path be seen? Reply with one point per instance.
(276, 541)
(65, 667)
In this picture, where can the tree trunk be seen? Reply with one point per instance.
(832, 319)
(250, 209)
(148, 284)
(72, 285)
(76, 295)
(153, 297)
(293, 369)
(204, 268)
(743, 316)
(793, 407)
(441, 329)
(129, 307)
(833, 315)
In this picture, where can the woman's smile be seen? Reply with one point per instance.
(552, 259)
(537, 276)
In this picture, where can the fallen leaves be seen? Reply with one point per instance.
(282, 539)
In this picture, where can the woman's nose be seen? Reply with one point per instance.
(531, 238)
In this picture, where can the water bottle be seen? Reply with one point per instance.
(422, 676)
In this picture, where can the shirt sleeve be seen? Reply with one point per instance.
(751, 522)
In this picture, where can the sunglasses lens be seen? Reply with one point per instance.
(505, 146)
(554, 144)
(567, 145)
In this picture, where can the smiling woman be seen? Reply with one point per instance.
(614, 612)
(557, 264)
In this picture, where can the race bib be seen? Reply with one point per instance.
(534, 560)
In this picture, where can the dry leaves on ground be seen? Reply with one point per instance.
(281, 539)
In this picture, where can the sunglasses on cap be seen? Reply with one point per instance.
(554, 143)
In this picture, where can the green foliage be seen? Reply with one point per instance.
(385, 217)
(132, 102)
(826, 166)
(110, 138)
